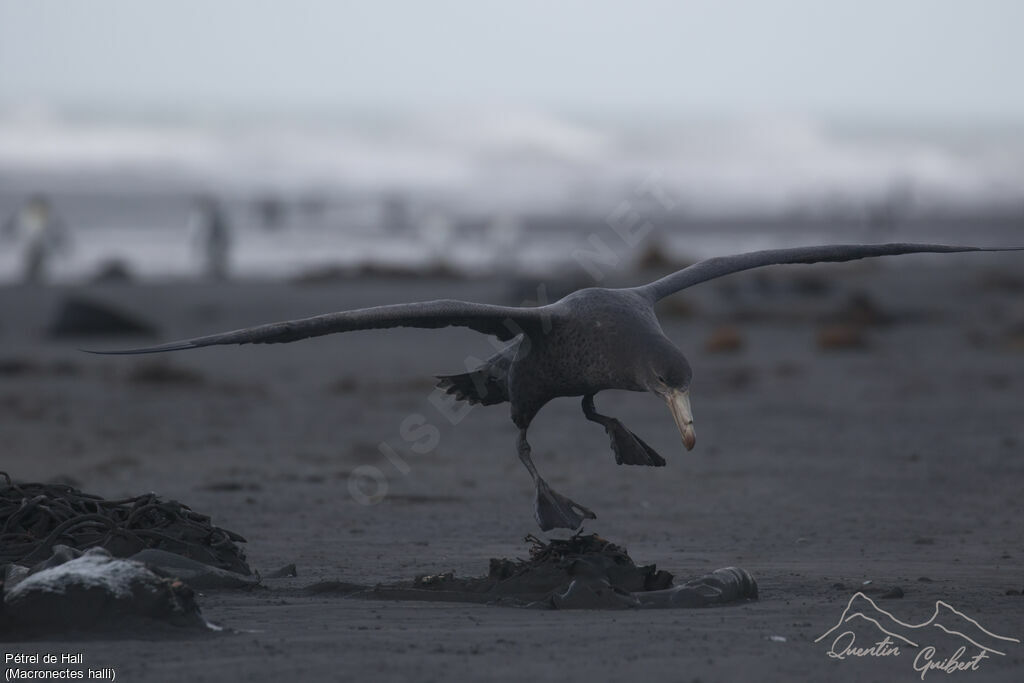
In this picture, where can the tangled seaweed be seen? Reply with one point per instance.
(580, 572)
(552, 566)
(35, 517)
(584, 555)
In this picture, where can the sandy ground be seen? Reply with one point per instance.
(813, 468)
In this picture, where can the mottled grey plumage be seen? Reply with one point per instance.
(591, 340)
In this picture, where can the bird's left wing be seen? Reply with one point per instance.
(504, 322)
(711, 268)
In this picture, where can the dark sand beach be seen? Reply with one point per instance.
(898, 461)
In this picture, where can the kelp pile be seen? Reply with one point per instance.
(36, 517)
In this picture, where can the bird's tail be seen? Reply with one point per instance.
(487, 384)
(480, 386)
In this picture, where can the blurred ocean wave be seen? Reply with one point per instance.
(479, 190)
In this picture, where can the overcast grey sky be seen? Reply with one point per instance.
(882, 59)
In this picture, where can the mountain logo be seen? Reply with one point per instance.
(896, 637)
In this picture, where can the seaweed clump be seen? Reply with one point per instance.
(36, 517)
(588, 557)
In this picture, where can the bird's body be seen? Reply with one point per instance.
(590, 341)
(585, 350)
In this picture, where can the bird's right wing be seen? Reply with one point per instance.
(712, 268)
(503, 322)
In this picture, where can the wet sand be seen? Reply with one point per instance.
(814, 469)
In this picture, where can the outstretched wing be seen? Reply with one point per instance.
(504, 322)
(711, 268)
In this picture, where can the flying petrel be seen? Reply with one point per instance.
(591, 340)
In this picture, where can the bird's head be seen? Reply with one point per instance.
(668, 374)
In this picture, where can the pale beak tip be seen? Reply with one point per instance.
(679, 404)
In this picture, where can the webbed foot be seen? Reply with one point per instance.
(555, 511)
(629, 448)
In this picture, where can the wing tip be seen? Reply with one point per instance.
(172, 346)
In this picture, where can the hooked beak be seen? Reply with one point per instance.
(679, 403)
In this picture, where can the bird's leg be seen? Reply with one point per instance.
(553, 510)
(629, 448)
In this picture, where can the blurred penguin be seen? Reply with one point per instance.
(44, 235)
(211, 234)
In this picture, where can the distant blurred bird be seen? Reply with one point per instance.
(44, 233)
(212, 235)
(591, 340)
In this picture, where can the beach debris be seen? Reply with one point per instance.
(24, 367)
(860, 309)
(79, 317)
(729, 584)
(658, 256)
(427, 580)
(734, 378)
(1001, 281)
(92, 592)
(36, 517)
(724, 339)
(160, 372)
(810, 285)
(1013, 337)
(678, 306)
(15, 367)
(196, 574)
(881, 591)
(286, 572)
(580, 572)
(869, 587)
(841, 336)
(844, 329)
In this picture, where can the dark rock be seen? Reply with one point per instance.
(16, 367)
(80, 317)
(160, 372)
(113, 271)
